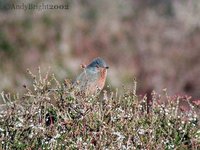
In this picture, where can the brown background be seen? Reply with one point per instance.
(156, 41)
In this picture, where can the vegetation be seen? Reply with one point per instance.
(50, 116)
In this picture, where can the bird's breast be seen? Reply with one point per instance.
(102, 78)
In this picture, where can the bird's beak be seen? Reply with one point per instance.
(107, 67)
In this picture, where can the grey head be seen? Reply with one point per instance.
(97, 63)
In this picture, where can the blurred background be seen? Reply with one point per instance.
(156, 41)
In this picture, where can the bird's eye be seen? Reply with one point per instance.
(97, 66)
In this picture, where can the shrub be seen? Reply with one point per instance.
(50, 116)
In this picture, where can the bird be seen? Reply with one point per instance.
(92, 80)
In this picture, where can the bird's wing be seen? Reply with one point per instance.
(84, 79)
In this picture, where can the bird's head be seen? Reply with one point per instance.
(97, 65)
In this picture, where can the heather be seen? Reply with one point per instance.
(50, 116)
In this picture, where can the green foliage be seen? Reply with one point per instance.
(5, 44)
(53, 116)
